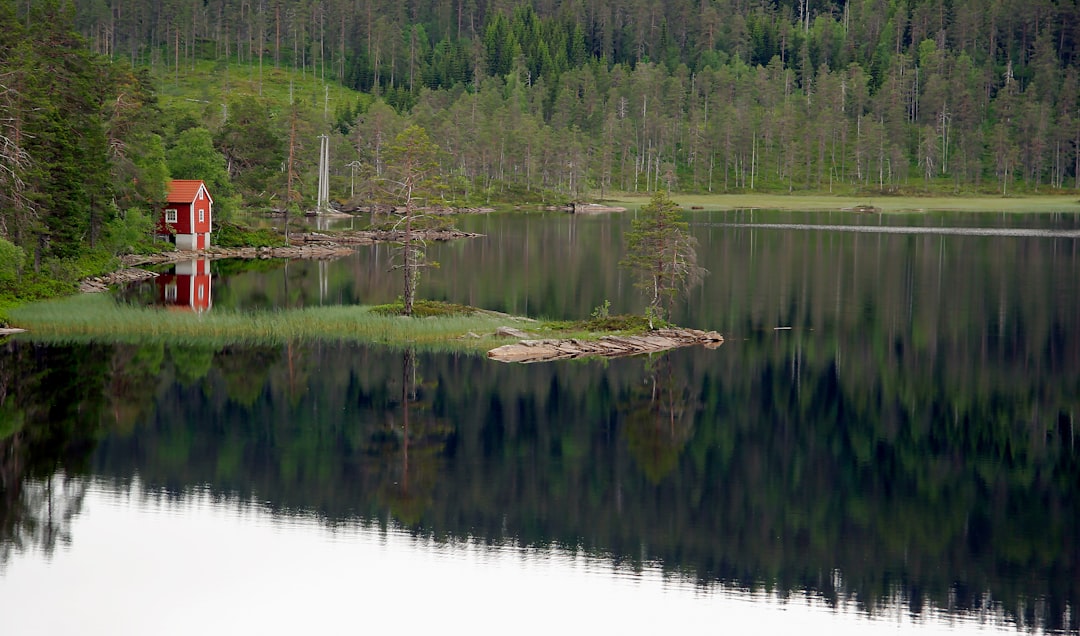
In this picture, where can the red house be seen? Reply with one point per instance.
(188, 287)
(188, 214)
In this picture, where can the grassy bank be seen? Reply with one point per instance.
(897, 204)
(97, 317)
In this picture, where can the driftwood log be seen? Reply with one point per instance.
(606, 347)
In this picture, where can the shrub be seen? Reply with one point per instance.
(12, 259)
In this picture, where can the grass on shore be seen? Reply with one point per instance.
(448, 328)
(98, 317)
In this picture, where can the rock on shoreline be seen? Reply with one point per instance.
(527, 351)
(327, 250)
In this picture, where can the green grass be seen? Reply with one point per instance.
(447, 327)
(202, 87)
(97, 317)
(585, 329)
(423, 309)
(986, 203)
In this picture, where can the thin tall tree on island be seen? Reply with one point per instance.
(412, 166)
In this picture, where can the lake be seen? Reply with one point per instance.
(885, 443)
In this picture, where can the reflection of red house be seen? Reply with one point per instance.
(188, 214)
(188, 287)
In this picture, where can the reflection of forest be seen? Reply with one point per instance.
(780, 460)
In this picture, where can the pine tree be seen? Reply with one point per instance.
(412, 167)
(662, 255)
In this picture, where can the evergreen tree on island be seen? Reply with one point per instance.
(662, 256)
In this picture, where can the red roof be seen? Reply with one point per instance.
(185, 190)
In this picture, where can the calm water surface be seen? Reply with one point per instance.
(884, 443)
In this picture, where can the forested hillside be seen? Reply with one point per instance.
(101, 101)
(704, 95)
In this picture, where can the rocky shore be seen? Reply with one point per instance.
(326, 250)
(132, 273)
(526, 351)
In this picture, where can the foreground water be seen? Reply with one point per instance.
(885, 443)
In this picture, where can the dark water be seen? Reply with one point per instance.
(886, 442)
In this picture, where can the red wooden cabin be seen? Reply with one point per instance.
(188, 214)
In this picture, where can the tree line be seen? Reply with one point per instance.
(524, 101)
(712, 96)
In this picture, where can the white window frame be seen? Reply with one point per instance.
(202, 215)
(170, 292)
(170, 215)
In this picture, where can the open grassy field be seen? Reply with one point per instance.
(898, 204)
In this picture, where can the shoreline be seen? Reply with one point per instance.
(824, 202)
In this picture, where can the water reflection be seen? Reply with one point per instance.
(761, 465)
(35, 515)
(235, 566)
(187, 286)
(905, 451)
(659, 417)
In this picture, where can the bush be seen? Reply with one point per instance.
(228, 234)
(130, 234)
(12, 259)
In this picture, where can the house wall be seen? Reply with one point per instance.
(183, 219)
(203, 205)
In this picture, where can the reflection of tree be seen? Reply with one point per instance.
(37, 514)
(659, 419)
(409, 450)
(51, 401)
(133, 377)
(244, 370)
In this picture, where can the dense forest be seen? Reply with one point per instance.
(526, 100)
(707, 95)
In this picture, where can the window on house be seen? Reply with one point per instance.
(202, 216)
(170, 216)
(170, 292)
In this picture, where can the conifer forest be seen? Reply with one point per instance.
(579, 98)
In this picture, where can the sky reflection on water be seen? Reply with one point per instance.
(232, 567)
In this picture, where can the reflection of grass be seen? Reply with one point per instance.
(1048, 203)
(97, 317)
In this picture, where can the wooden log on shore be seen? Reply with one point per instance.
(527, 351)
